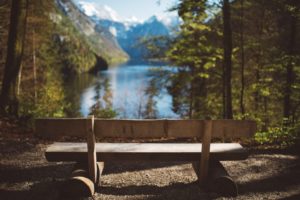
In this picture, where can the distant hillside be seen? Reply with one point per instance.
(101, 41)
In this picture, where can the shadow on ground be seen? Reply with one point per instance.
(288, 176)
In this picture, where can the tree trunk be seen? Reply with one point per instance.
(242, 107)
(227, 41)
(19, 81)
(289, 68)
(9, 100)
(34, 65)
(191, 103)
(256, 93)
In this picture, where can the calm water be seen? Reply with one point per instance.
(132, 89)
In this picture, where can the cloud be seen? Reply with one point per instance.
(100, 11)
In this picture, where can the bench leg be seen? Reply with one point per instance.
(91, 147)
(204, 162)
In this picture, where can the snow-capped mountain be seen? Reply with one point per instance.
(102, 41)
(104, 12)
(128, 31)
(131, 41)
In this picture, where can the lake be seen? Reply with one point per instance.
(134, 90)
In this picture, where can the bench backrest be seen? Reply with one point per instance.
(58, 127)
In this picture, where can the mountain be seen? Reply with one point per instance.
(101, 39)
(129, 33)
(132, 41)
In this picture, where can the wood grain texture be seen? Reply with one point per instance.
(172, 128)
(227, 128)
(130, 128)
(185, 128)
(127, 152)
(54, 128)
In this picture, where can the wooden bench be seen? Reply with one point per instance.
(92, 152)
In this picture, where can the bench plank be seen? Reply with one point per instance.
(113, 128)
(172, 128)
(130, 128)
(228, 128)
(58, 127)
(144, 152)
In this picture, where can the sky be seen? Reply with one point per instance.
(141, 9)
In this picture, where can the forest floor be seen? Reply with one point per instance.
(26, 175)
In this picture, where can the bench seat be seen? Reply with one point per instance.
(189, 152)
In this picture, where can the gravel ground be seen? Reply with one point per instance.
(25, 174)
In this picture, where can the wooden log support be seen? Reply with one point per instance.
(81, 169)
(204, 162)
(79, 184)
(91, 146)
(219, 181)
(80, 172)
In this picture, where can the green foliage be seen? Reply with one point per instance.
(193, 51)
(151, 92)
(270, 53)
(103, 106)
(156, 47)
(50, 101)
(279, 135)
(57, 47)
(106, 113)
(74, 52)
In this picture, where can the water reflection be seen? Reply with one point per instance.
(74, 88)
(129, 90)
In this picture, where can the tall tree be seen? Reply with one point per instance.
(227, 62)
(15, 44)
(242, 106)
(290, 16)
(195, 56)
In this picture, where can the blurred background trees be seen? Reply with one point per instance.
(235, 59)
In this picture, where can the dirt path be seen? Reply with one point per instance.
(25, 174)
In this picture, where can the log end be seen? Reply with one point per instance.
(78, 186)
(225, 186)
